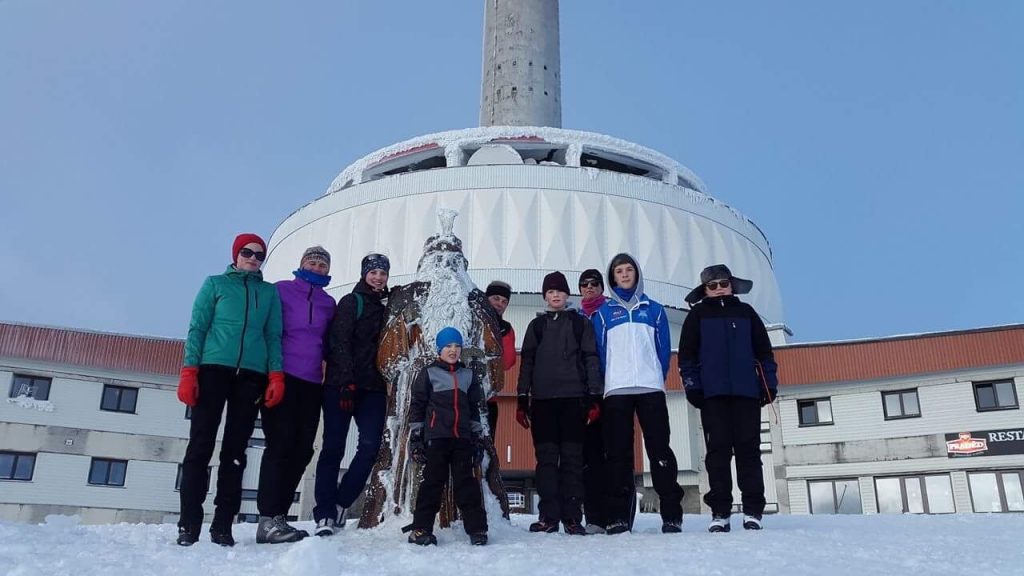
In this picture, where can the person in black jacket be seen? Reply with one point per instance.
(728, 372)
(446, 437)
(561, 371)
(353, 388)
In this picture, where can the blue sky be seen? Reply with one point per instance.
(879, 144)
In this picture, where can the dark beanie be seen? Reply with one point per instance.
(241, 240)
(499, 288)
(374, 262)
(591, 274)
(555, 281)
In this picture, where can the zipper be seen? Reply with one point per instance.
(455, 399)
(309, 298)
(245, 324)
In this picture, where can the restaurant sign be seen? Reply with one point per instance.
(985, 443)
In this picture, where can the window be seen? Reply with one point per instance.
(835, 497)
(815, 412)
(119, 399)
(997, 491)
(259, 423)
(249, 518)
(999, 395)
(901, 404)
(209, 473)
(915, 495)
(248, 494)
(516, 500)
(35, 387)
(257, 443)
(188, 412)
(104, 472)
(17, 466)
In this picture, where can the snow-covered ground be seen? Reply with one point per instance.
(833, 545)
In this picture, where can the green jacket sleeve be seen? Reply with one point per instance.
(272, 332)
(202, 317)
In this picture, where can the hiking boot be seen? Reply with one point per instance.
(342, 518)
(574, 528)
(719, 524)
(478, 539)
(275, 530)
(672, 526)
(617, 527)
(222, 538)
(421, 537)
(751, 522)
(188, 536)
(546, 526)
(595, 529)
(324, 527)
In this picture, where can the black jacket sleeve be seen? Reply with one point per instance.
(340, 368)
(476, 396)
(591, 359)
(763, 351)
(689, 351)
(527, 358)
(420, 399)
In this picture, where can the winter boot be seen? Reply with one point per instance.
(188, 536)
(222, 538)
(574, 528)
(324, 527)
(478, 539)
(275, 530)
(617, 527)
(672, 526)
(422, 537)
(751, 522)
(546, 526)
(719, 524)
(595, 529)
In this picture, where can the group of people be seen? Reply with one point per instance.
(261, 349)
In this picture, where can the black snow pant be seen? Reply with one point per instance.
(492, 418)
(595, 475)
(242, 391)
(732, 425)
(558, 427)
(290, 429)
(452, 456)
(652, 412)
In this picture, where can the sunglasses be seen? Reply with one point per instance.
(246, 253)
(713, 285)
(590, 284)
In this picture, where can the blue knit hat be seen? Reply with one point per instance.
(448, 336)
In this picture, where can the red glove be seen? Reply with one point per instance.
(188, 386)
(523, 412)
(348, 398)
(275, 390)
(594, 414)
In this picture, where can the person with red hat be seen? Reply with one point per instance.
(233, 358)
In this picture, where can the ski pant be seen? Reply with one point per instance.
(732, 425)
(242, 390)
(558, 427)
(290, 429)
(369, 414)
(452, 456)
(595, 475)
(652, 412)
(492, 418)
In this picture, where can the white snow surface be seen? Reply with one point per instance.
(32, 403)
(791, 545)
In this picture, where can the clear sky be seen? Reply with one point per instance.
(879, 144)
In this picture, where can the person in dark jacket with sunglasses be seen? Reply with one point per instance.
(233, 358)
(728, 371)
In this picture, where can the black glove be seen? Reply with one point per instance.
(523, 411)
(479, 449)
(695, 398)
(767, 397)
(418, 447)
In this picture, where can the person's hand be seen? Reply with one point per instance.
(348, 398)
(594, 412)
(188, 386)
(275, 390)
(417, 447)
(523, 411)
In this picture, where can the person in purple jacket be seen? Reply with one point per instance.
(291, 426)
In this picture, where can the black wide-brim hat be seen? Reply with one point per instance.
(718, 272)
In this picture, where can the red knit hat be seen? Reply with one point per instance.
(241, 240)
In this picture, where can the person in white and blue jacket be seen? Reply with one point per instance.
(634, 343)
(728, 371)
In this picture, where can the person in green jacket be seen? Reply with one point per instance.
(233, 357)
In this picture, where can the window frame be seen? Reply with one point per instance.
(120, 399)
(835, 495)
(1000, 490)
(992, 383)
(109, 463)
(818, 422)
(32, 379)
(925, 501)
(899, 394)
(14, 466)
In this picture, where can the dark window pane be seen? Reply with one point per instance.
(986, 396)
(892, 405)
(23, 468)
(111, 396)
(848, 497)
(808, 415)
(177, 481)
(117, 472)
(128, 399)
(6, 466)
(1004, 394)
(296, 497)
(98, 472)
(910, 405)
(188, 412)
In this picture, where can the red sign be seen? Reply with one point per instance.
(966, 445)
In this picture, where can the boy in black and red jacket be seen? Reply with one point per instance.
(444, 419)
